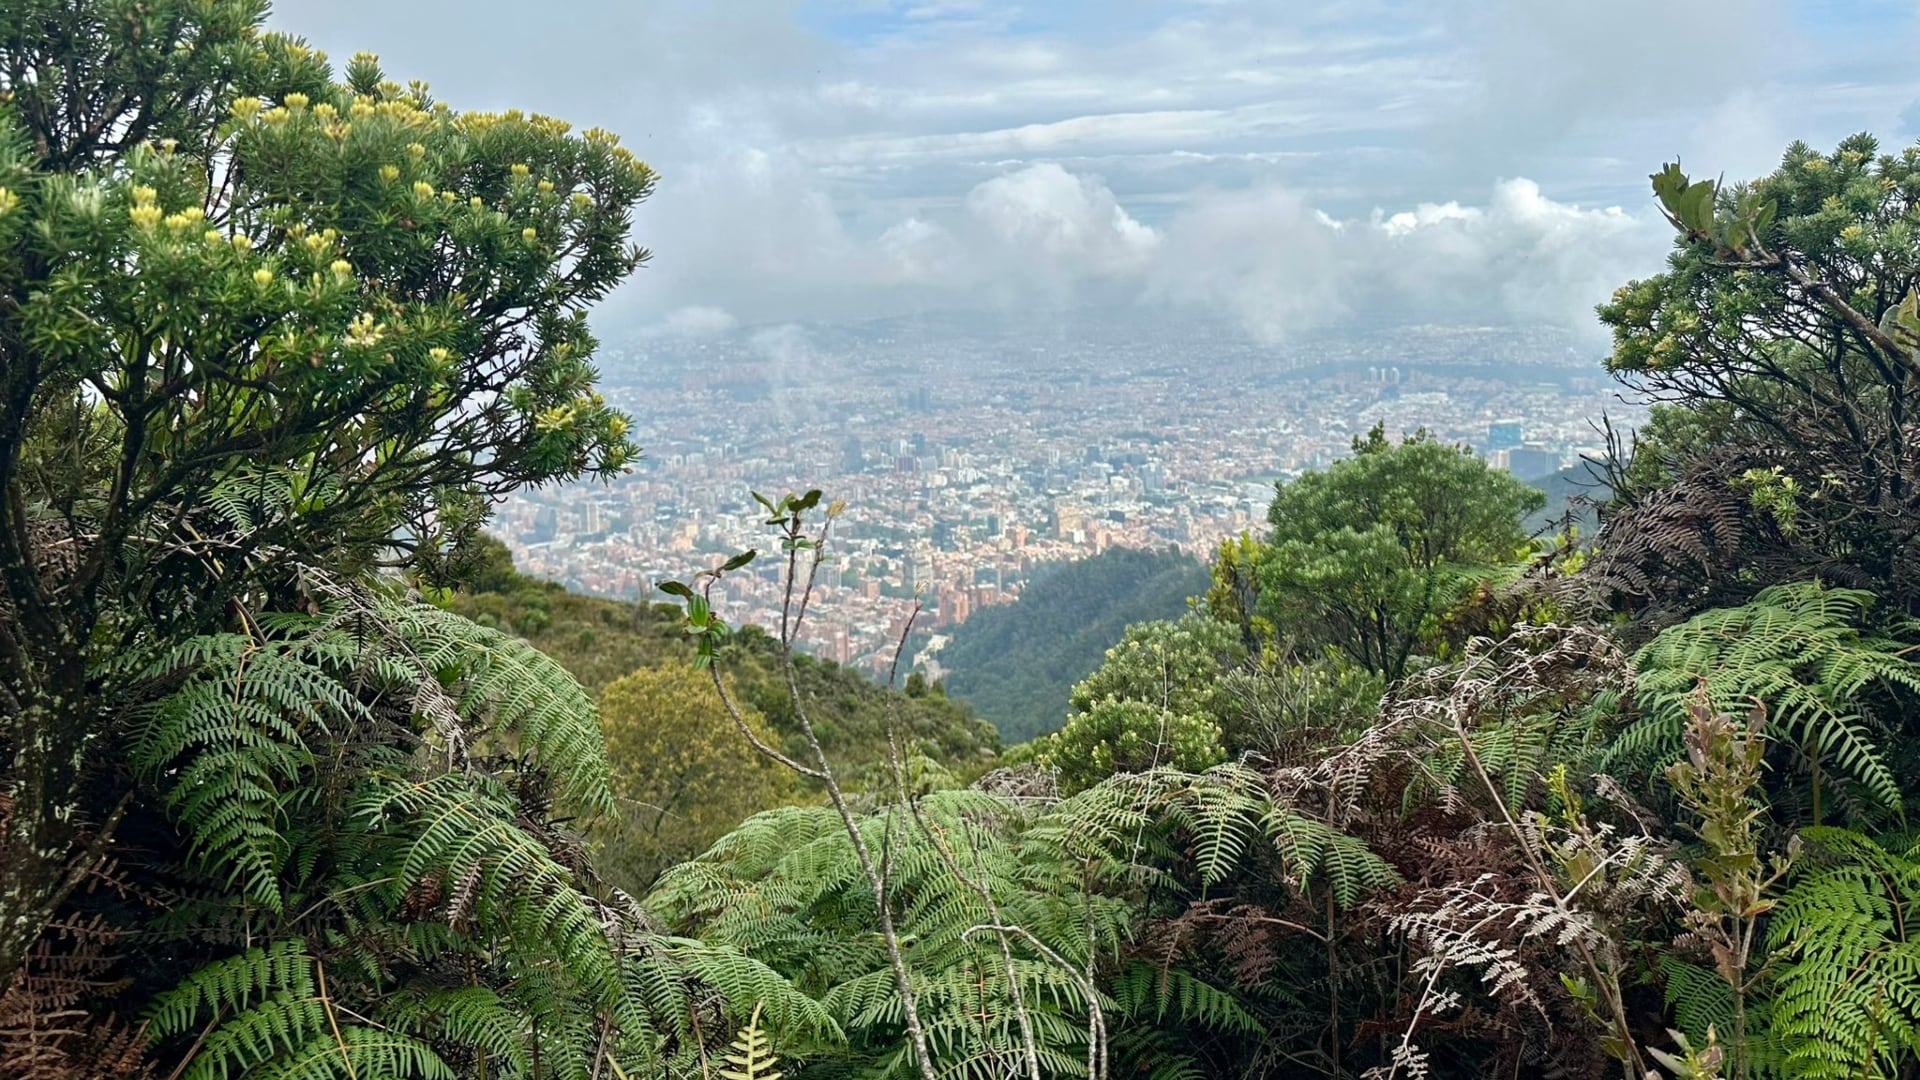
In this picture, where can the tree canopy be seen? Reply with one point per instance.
(1015, 663)
(681, 776)
(1364, 553)
(1782, 338)
(271, 339)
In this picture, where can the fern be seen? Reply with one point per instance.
(1150, 991)
(523, 697)
(1071, 876)
(231, 741)
(1848, 993)
(375, 779)
(752, 1057)
(1698, 998)
(271, 1020)
(1799, 649)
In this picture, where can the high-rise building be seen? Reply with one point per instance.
(1066, 522)
(1532, 462)
(954, 607)
(546, 524)
(1503, 435)
(919, 571)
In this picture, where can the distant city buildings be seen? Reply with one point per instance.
(1533, 462)
(967, 457)
(1504, 434)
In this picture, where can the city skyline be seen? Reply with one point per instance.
(969, 454)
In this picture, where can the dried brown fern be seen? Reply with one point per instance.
(54, 1019)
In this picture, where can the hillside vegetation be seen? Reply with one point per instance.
(1014, 663)
(599, 640)
(299, 781)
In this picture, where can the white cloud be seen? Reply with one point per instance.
(1265, 255)
(1262, 256)
(1741, 137)
(834, 159)
(697, 321)
(1552, 71)
(1279, 266)
(919, 252)
(1045, 215)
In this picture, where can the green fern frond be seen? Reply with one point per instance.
(332, 773)
(1698, 997)
(524, 699)
(355, 1052)
(1848, 993)
(1145, 990)
(752, 1057)
(1799, 649)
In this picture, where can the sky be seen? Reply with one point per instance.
(1291, 165)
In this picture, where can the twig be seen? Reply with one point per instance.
(793, 533)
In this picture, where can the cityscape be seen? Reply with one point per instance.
(968, 454)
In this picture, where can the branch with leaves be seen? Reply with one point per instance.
(804, 551)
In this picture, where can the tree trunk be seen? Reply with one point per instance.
(40, 813)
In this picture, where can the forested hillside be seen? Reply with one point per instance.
(288, 791)
(599, 641)
(1014, 663)
(682, 777)
(1575, 495)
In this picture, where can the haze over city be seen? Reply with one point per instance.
(1025, 281)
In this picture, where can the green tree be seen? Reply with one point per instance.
(1152, 703)
(253, 318)
(682, 776)
(1176, 664)
(1235, 590)
(1123, 736)
(1364, 554)
(1782, 340)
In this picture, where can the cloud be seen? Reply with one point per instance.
(1269, 259)
(1551, 73)
(1262, 256)
(826, 160)
(746, 225)
(696, 321)
(919, 252)
(1265, 255)
(1045, 216)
